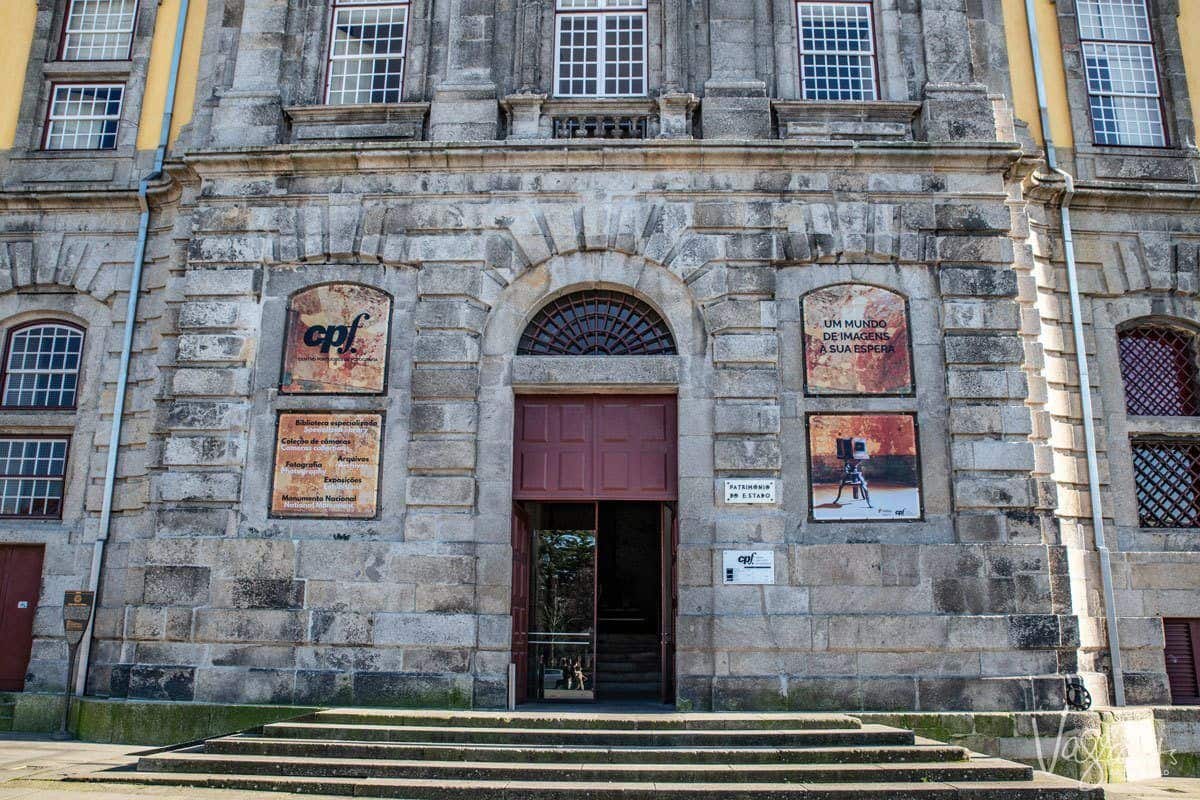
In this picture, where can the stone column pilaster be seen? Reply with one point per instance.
(735, 105)
(465, 106)
(956, 106)
(251, 110)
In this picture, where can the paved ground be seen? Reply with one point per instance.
(31, 768)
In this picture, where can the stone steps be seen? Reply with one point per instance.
(260, 745)
(195, 760)
(546, 755)
(550, 737)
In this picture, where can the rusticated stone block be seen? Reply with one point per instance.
(176, 585)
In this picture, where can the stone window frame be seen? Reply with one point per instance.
(46, 68)
(78, 425)
(1177, 105)
(889, 23)
(310, 30)
(7, 354)
(267, 402)
(1123, 428)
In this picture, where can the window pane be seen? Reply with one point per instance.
(836, 51)
(99, 30)
(31, 477)
(570, 5)
(1158, 367)
(38, 372)
(578, 54)
(84, 117)
(1167, 482)
(1120, 69)
(1114, 20)
(366, 52)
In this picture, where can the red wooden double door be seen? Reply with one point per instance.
(20, 584)
(594, 448)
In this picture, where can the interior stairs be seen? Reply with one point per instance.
(627, 666)
(553, 755)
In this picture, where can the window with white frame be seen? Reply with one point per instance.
(98, 30)
(32, 471)
(837, 50)
(41, 367)
(366, 52)
(84, 116)
(1124, 94)
(601, 48)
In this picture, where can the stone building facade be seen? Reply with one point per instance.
(717, 192)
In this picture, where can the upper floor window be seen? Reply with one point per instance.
(41, 366)
(366, 52)
(837, 50)
(1159, 369)
(1122, 73)
(84, 116)
(601, 48)
(99, 30)
(31, 476)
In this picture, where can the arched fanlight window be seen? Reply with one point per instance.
(41, 366)
(1159, 369)
(596, 323)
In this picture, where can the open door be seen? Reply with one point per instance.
(669, 601)
(520, 601)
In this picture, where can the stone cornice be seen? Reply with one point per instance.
(557, 155)
(1115, 195)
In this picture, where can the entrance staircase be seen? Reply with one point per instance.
(549, 755)
(627, 666)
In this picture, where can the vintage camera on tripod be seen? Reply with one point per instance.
(852, 449)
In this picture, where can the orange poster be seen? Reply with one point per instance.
(864, 467)
(337, 340)
(856, 341)
(327, 465)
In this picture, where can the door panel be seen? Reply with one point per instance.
(520, 601)
(20, 585)
(595, 448)
(669, 535)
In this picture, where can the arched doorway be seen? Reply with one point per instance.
(594, 520)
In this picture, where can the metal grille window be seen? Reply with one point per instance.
(366, 52)
(41, 369)
(1159, 369)
(84, 117)
(31, 477)
(594, 323)
(837, 50)
(601, 48)
(1122, 73)
(1166, 475)
(99, 30)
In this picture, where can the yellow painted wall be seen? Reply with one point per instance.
(17, 19)
(160, 70)
(1021, 64)
(1189, 35)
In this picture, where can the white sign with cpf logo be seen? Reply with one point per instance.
(750, 490)
(749, 566)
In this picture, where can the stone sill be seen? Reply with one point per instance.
(817, 120)
(588, 373)
(87, 71)
(1162, 426)
(367, 121)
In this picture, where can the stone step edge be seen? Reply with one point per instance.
(196, 760)
(672, 720)
(952, 753)
(1043, 787)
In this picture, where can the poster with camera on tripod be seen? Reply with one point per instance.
(864, 467)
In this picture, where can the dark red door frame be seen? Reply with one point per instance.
(20, 587)
(592, 448)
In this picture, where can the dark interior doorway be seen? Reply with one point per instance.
(598, 628)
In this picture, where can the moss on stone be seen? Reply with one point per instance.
(1181, 765)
